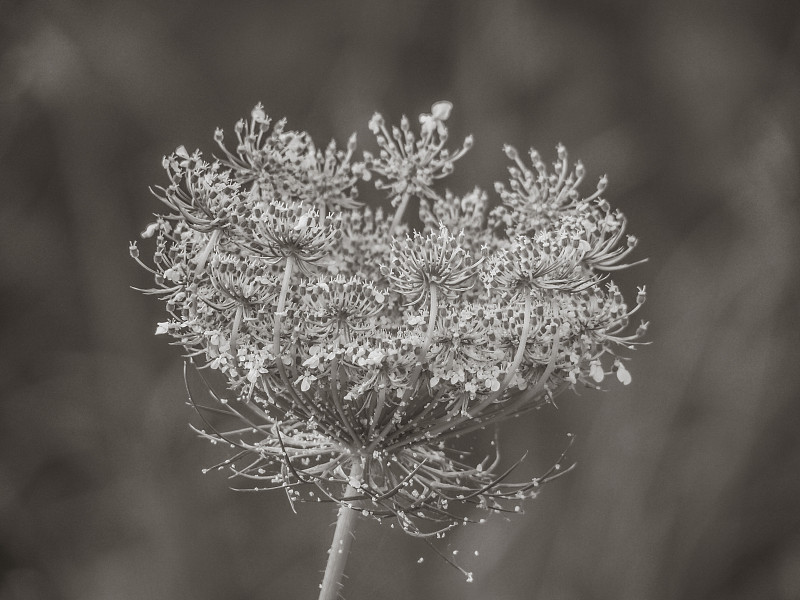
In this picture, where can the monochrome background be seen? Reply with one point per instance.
(687, 481)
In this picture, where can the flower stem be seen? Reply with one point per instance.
(276, 338)
(342, 540)
(412, 382)
(398, 215)
(450, 423)
(203, 257)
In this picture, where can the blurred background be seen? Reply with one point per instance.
(687, 483)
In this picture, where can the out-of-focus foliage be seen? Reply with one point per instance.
(686, 485)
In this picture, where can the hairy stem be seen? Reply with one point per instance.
(342, 540)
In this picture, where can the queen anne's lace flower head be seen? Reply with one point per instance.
(358, 356)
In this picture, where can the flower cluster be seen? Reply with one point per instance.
(357, 356)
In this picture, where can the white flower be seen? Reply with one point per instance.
(348, 347)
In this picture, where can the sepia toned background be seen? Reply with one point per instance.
(687, 484)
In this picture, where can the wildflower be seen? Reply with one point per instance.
(604, 230)
(357, 353)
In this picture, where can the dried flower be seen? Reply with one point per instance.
(355, 354)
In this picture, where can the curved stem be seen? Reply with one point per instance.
(203, 257)
(434, 292)
(523, 340)
(398, 215)
(308, 408)
(237, 322)
(337, 401)
(342, 540)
